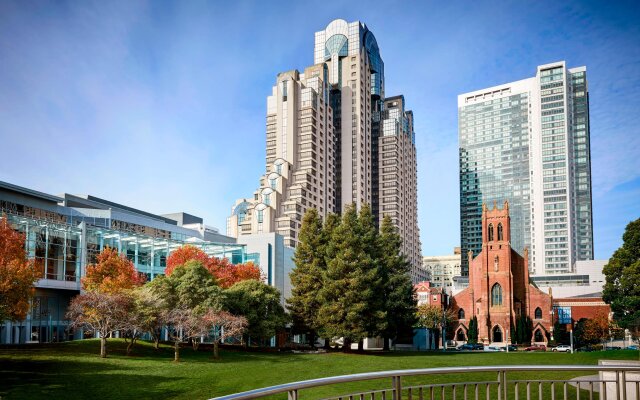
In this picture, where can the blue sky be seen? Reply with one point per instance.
(161, 105)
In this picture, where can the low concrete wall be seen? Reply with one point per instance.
(631, 379)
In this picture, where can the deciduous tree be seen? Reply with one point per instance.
(622, 273)
(225, 273)
(228, 274)
(145, 315)
(111, 273)
(184, 324)
(224, 325)
(185, 253)
(101, 313)
(596, 329)
(17, 274)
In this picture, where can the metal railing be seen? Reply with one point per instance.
(620, 386)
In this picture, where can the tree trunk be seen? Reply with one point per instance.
(385, 346)
(216, 353)
(194, 344)
(130, 345)
(327, 344)
(346, 345)
(156, 342)
(176, 351)
(361, 345)
(312, 340)
(103, 346)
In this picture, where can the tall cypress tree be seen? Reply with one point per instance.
(346, 291)
(472, 333)
(308, 275)
(398, 291)
(371, 271)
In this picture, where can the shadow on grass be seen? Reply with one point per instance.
(35, 379)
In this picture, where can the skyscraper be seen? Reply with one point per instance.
(333, 140)
(528, 142)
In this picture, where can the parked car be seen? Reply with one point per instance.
(613, 348)
(633, 347)
(478, 346)
(536, 347)
(563, 347)
(586, 349)
(493, 348)
(466, 346)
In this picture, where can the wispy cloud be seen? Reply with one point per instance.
(161, 105)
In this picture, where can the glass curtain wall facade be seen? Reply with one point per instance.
(494, 166)
(527, 142)
(61, 252)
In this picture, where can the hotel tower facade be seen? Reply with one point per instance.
(333, 139)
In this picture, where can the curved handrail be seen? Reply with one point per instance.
(287, 387)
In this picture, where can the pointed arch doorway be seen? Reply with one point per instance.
(496, 334)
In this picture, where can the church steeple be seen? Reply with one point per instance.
(496, 224)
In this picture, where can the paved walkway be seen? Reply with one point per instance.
(596, 385)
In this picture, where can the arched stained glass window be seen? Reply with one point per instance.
(500, 235)
(538, 313)
(490, 236)
(461, 314)
(496, 295)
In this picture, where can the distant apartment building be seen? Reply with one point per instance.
(333, 139)
(441, 270)
(428, 294)
(527, 142)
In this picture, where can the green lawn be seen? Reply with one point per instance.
(73, 370)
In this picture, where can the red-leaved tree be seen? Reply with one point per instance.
(181, 255)
(111, 273)
(228, 274)
(17, 274)
(225, 273)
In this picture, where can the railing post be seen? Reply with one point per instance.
(292, 394)
(499, 385)
(396, 382)
(505, 383)
(624, 385)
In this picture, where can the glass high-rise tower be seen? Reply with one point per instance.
(333, 139)
(527, 142)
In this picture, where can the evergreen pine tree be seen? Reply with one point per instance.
(371, 269)
(398, 289)
(348, 287)
(307, 277)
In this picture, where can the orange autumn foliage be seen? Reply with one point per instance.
(17, 274)
(111, 273)
(183, 254)
(225, 273)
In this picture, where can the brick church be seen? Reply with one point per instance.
(499, 289)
